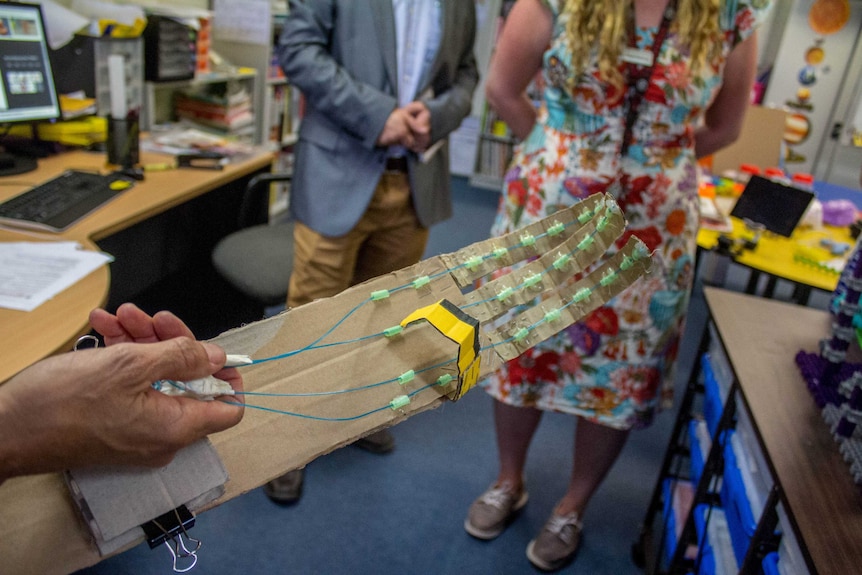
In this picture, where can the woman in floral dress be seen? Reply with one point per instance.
(613, 370)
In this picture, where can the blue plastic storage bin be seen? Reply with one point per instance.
(770, 564)
(740, 519)
(699, 451)
(706, 552)
(716, 555)
(713, 403)
(675, 511)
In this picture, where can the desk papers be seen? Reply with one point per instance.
(33, 272)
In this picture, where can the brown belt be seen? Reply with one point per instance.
(396, 164)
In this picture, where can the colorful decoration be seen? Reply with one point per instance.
(835, 383)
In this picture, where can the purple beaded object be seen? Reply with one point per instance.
(834, 383)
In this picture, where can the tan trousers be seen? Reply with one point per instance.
(387, 238)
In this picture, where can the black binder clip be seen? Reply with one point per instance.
(171, 529)
(201, 161)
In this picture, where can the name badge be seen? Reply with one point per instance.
(637, 57)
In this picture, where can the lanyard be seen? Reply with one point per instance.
(639, 74)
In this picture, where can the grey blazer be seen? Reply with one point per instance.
(341, 55)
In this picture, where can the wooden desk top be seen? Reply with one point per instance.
(27, 337)
(761, 338)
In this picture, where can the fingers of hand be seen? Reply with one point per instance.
(169, 326)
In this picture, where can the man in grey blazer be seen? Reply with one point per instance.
(384, 83)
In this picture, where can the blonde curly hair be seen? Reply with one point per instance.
(602, 24)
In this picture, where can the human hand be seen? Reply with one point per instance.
(419, 120)
(98, 406)
(397, 130)
(133, 325)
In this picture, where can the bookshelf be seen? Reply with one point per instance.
(494, 143)
(160, 98)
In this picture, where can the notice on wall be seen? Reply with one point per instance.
(248, 21)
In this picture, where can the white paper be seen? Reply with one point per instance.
(33, 272)
(61, 23)
(248, 21)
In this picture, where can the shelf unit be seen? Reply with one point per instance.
(494, 144)
(159, 96)
(706, 513)
(806, 515)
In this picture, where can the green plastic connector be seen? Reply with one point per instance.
(500, 252)
(581, 295)
(473, 262)
(532, 280)
(627, 263)
(562, 262)
(521, 334)
(641, 251)
(421, 282)
(445, 379)
(399, 402)
(608, 278)
(603, 223)
(379, 295)
(505, 293)
(393, 331)
(406, 377)
(585, 216)
(552, 316)
(528, 240)
(556, 229)
(586, 242)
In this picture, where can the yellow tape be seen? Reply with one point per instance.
(459, 327)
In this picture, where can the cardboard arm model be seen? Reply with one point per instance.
(326, 373)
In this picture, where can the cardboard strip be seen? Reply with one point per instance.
(547, 272)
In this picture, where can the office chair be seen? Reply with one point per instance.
(257, 259)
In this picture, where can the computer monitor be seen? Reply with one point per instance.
(27, 92)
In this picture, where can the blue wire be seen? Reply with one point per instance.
(320, 418)
(316, 345)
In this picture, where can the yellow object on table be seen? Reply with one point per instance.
(78, 132)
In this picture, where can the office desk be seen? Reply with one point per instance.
(26, 337)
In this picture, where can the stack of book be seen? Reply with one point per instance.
(227, 111)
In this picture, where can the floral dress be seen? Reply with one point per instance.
(616, 366)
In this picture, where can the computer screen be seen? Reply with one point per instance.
(27, 92)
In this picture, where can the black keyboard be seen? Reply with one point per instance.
(56, 204)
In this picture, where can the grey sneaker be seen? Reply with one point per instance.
(286, 489)
(492, 512)
(557, 542)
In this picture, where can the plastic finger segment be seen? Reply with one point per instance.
(569, 304)
(576, 254)
(481, 259)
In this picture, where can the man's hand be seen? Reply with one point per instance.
(97, 406)
(133, 325)
(397, 130)
(419, 120)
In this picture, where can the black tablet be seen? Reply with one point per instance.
(777, 206)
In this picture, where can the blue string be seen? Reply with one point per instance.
(341, 391)
(317, 345)
(320, 418)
